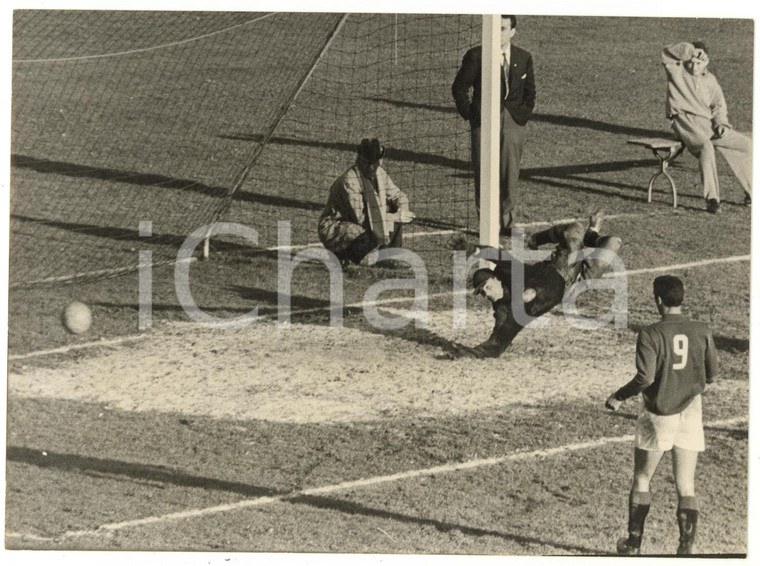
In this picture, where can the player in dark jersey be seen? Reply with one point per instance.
(545, 282)
(675, 358)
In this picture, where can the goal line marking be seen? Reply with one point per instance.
(365, 482)
(425, 234)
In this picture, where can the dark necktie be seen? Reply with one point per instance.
(505, 70)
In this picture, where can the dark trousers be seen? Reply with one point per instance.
(511, 142)
(361, 246)
(570, 238)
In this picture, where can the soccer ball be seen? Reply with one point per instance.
(77, 317)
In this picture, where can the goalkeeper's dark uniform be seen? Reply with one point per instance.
(550, 288)
(549, 279)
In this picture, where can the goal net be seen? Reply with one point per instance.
(177, 120)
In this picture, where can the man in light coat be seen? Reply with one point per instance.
(699, 117)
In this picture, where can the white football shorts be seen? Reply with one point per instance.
(662, 432)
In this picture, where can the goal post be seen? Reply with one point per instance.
(490, 120)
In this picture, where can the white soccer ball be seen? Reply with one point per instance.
(77, 317)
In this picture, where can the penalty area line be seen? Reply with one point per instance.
(365, 482)
(73, 347)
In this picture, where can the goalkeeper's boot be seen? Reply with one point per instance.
(687, 526)
(628, 547)
(637, 514)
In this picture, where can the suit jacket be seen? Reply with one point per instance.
(522, 86)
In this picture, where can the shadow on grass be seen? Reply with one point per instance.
(535, 174)
(146, 472)
(443, 526)
(67, 169)
(731, 344)
(306, 309)
(420, 336)
(159, 181)
(402, 155)
(317, 312)
(724, 343)
(567, 181)
(564, 176)
(573, 171)
(391, 153)
(127, 235)
(621, 415)
(735, 434)
(559, 177)
(552, 176)
(216, 192)
(269, 298)
(100, 467)
(555, 119)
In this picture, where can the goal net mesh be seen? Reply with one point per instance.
(183, 119)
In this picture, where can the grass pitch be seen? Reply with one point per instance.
(155, 442)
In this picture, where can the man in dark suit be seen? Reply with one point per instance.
(518, 96)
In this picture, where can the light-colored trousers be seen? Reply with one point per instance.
(697, 133)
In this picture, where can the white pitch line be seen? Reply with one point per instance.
(406, 236)
(298, 247)
(431, 233)
(381, 302)
(107, 272)
(449, 232)
(704, 262)
(365, 482)
(66, 349)
(568, 220)
(144, 49)
(394, 300)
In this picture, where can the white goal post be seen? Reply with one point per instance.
(490, 119)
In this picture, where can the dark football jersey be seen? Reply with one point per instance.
(674, 358)
(549, 287)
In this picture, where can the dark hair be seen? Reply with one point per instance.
(513, 18)
(670, 290)
(701, 45)
(480, 277)
(371, 150)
